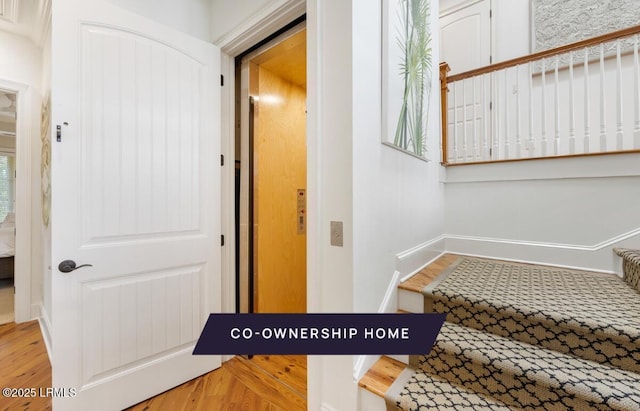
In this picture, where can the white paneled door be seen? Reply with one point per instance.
(465, 44)
(136, 194)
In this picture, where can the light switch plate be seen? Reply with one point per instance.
(336, 233)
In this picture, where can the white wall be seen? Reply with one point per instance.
(398, 201)
(21, 63)
(389, 201)
(569, 212)
(189, 16)
(236, 26)
(227, 15)
(330, 178)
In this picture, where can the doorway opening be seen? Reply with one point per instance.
(271, 175)
(8, 120)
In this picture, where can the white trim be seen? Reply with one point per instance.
(389, 304)
(457, 7)
(260, 25)
(9, 11)
(227, 210)
(597, 257)
(601, 166)
(596, 247)
(22, 262)
(254, 29)
(45, 329)
(420, 268)
(410, 261)
(362, 365)
(42, 27)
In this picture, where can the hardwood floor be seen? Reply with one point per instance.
(25, 364)
(269, 383)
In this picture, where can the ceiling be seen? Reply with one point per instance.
(287, 59)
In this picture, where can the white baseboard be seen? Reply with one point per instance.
(416, 258)
(407, 264)
(597, 257)
(45, 329)
(36, 310)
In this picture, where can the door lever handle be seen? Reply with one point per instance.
(69, 265)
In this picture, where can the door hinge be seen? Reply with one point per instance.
(221, 159)
(490, 59)
(222, 240)
(491, 105)
(221, 80)
(490, 152)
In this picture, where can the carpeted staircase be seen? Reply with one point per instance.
(523, 336)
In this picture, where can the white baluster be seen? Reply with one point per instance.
(464, 122)
(543, 112)
(496, 117)
(619, 135)
(531, 146)
(475, 119)
(587, 103)
(636, 93)
(455, 122)
(507, 135)
(485, 118)
(603, 108)
(518, 130)
(572, 119)
(556, 110)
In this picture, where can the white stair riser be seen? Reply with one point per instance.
(410, 301)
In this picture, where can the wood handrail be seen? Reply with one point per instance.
(444, 69)
(546, 53)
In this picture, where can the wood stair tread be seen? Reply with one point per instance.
(425, 276)
(381, 375)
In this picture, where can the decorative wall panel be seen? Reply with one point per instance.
(559, 22)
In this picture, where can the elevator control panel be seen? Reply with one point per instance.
(302, 211)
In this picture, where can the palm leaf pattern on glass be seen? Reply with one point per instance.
(414, 41)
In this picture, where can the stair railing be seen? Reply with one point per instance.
(575, 100)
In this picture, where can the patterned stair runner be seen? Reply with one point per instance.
(530, 337)
(630, 266)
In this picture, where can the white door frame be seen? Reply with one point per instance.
(24, 134)
(248, 34)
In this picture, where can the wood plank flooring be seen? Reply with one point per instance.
(24, 363)
(269, 383)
